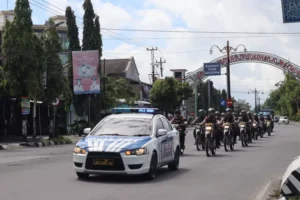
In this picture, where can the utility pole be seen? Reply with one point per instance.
(255, 92)
(161, 67)
(258, 105)
(209, 92)
(228, 72)
(152, 62)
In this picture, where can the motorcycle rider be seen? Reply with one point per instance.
(269, 118)
(198, 120)
(229, 118)
(178, 119)
(262, 119)
(212, 119)
(244, 118)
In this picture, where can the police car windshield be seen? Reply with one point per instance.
(123, 126)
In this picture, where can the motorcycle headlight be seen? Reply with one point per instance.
(226, 126)
(78, 150)
(254, 124)
(242, 125)
(137, 152)
(208, 128)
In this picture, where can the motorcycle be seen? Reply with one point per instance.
(228, 137)
(255, 131)
(269, 129)
(182, 136)
(210, 141)
(243, 134)
(200, 137)
(261, 129)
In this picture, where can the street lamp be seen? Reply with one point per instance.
(227, 49)
(255, 92)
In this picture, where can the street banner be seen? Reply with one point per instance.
(86, 79)
(290, 11)
(25, 105)
(212, 69)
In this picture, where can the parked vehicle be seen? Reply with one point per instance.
(284, 120)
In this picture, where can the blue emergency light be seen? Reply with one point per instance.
(135, 110)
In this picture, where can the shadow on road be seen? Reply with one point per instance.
(239, 150)
(252, 145)
(190, 155)
(222, 155)
(163, 174)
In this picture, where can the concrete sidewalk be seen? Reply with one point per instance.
(38, 143)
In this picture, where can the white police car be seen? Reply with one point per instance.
(129, 143)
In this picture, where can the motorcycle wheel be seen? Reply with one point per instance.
(207, 146)
(242, 139)
(225, 143)
(269, 132)
(198, 142)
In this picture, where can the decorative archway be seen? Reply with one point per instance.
(248, 57)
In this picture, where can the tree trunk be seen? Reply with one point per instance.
(54, 122)
(34, 119)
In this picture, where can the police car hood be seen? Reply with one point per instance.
(112, 143)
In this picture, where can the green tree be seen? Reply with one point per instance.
(57, 83)
(74, 45)
(88, 40)
(21, 64)
(98, 36)
(165, 94)
(184, 91)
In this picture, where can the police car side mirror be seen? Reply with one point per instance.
(86, 131)
(161, 132)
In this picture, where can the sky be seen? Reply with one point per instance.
(188, 50)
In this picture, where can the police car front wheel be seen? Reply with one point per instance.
(82, 175)
(153, 166)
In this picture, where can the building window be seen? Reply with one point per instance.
(64, 40)
(63, 57)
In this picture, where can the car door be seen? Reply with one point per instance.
(168, 143)
(161, 141)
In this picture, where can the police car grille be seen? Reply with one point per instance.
(116, 157)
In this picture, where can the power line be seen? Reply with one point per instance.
(210, 32)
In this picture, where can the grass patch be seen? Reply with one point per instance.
(59, 140)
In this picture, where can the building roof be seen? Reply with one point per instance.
(115, 66)
(7, 12)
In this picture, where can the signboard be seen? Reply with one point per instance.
(229, 102)
(56, 102)
(235, 104)
(86, 79)
(290, 11)
(212, 69)
(25, 105)
(222, 103)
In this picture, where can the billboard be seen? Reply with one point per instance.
(290, 11)
(25, 105)
(86, 79)
(212, 69)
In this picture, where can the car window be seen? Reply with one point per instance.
(158, 125)
(123, 126)
(166, 124)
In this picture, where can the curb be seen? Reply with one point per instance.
(44, 144)
(2, 148)
(268, 190)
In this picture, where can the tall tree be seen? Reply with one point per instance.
(57, 83)
(88, 40)
(21, 65)
(98, 36)
(74, 45)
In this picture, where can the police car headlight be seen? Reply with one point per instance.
(137, 152)
(78, 150)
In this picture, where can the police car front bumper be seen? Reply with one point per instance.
(121, 163)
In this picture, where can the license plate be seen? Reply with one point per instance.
(108, 162)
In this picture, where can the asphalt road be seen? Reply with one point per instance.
(47, 173)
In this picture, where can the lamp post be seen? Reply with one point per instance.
(227, 49)
(255, 92)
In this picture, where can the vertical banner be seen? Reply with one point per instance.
(86, 79)
(25, 105)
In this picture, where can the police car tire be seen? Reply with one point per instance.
(152, 171)
(82, 175)
(175, 164)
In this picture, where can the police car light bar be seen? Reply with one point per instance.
(135, 110)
